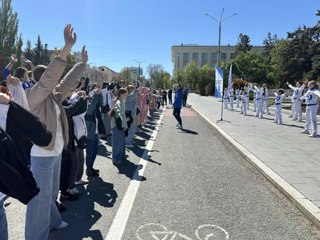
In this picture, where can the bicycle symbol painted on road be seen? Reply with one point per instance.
(156, 231)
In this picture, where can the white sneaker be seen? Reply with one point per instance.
(305, 131)
(62, 225)
(74, 191)
(313, 135)
(81, 182)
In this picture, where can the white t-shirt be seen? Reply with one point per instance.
(37, 151)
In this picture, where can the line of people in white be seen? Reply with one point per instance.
(261, 102)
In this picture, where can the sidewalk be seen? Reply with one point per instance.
(281, 151)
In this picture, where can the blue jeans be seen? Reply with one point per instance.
(3, 223)
(131, 133)
(42, 213)
(118, 145)
(92, 151)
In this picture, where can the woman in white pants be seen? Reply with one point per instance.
(265, 98)
(231, 98)
(278, 106)
(258, 93)
(296, 103)
(311, 98)
(243, 98)
(237, 91)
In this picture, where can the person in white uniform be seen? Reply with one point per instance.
(296, 103)
(311, 98)
(265, 98)
(237, 91)
(247, 89)
(231, 97)
(279, 96)
(258, 93)
(225, 98)
(243, 98)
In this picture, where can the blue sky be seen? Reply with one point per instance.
(117, 32)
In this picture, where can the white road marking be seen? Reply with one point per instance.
(152, 230)
(208, 236)
(120, 220)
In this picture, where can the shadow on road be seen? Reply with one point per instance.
(189, 131)
(82, 216)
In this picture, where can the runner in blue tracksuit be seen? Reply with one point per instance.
(178, 105)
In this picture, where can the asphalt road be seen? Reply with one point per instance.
(193, 187)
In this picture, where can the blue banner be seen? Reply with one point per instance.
(219, 83)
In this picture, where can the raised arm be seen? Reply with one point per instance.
(72, 76)
(50, 78)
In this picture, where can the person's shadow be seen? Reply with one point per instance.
(131, 170)
(81, 214)
(189, 131)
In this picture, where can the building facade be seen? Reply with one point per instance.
(182, 55)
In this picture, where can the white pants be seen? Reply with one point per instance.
(238, 102)
(296, 108)
(247, 102)
(266, 106)
(277, 114)
(231, 103)
(254, 105)
(225, 102)
(259, 112)
(243, 109)
(311, 117)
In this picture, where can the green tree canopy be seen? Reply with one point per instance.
(243, 44)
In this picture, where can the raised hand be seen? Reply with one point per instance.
(4, 98)
(84, 55)
(12, 80)
(14, 58)
(70, 37)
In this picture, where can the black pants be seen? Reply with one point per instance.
(176, 114)
(164, 100)
(65, 171)
(185, 100)
(170, 99)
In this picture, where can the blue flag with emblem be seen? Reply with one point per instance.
(219, 83)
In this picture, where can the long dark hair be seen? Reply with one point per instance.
(120, 92)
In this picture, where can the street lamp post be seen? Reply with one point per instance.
(220, 20)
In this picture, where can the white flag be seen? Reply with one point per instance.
(230, 77)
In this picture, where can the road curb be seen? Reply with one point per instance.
(308, 208)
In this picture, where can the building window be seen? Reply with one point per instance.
(195, 57)
(232, 55)
(204, 59)
(223, 56)
(185, 59)
(214, 57)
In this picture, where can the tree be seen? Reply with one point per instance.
(8, 31)
(28, 53)
(18, 51)
(192, 74)
(126, 75)
(252, 66)
(38, 52)
(155, 71)
(244, 44)
(268, 44)
(45, 55)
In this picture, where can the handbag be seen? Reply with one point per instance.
(82, 142)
